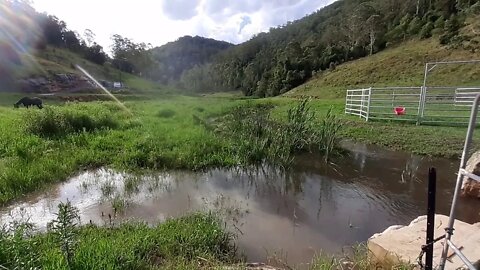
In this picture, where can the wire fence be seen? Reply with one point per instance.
(423, 105)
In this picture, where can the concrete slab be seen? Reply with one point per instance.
(403, 243)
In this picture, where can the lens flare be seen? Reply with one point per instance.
(103, 89)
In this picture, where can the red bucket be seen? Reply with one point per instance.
(399, 110)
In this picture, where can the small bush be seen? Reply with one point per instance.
(64, 228)
(60, 121)
(166, 113)
(426, 31)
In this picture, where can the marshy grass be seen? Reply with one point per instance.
(119, 203)
(35, 157)
(108, 188)
(56, 121)
(262, 139)
(183, 242)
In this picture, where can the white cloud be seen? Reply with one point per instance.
(158, 22)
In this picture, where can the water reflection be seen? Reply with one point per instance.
(315, 206)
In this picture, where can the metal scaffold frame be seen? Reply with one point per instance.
(461, 175)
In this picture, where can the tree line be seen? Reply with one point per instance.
(272, 63)
(23, 28)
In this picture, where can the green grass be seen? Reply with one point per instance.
(40, 147)
(194, 241)
(402, 65)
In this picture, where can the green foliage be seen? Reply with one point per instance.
(415, 26)
(426, 31)
(64, 229)
(31, 162)
(170, 245)
(262, 139)
(173, 58)
(166, 113)
(451, 29)
(273, 63)
(60, 121)
(18, 249)
(129, 56)
(328, 135)
(300, 125)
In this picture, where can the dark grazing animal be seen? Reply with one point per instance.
(27, 102)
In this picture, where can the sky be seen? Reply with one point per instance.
(161, 21)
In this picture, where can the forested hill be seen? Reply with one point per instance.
(285, 57)
(173, 58)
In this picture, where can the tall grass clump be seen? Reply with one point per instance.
(301, 125)
(62, 120)
(258, 138)
(327, 135)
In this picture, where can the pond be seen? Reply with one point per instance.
(315, 206)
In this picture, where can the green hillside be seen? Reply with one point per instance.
(173, 58)
(51, 61)
(287, 56)
(402, 65)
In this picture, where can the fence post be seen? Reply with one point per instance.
(421, 104)
(368, 103)
(346, 102)
(432, 189)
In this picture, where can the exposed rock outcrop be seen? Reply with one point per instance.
(471, 188)
(403, 243)
(69, 82)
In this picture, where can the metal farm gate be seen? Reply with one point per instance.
(423, 104)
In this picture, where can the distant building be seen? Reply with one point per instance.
(117, 85)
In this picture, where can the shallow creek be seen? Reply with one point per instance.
(314, 207)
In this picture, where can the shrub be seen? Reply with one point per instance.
(166, 113)
(426, 31)
(60, 121)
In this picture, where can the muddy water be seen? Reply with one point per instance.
(314, 207)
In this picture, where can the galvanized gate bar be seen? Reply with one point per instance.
(461, 256)
(458, 187)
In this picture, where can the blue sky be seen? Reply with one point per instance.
(158, 22)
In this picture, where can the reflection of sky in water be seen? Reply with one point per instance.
(313, 207)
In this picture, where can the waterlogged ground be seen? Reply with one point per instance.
(314, 207)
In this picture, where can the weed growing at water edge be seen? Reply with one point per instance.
(119, 203)
(64, 228)
(262, 139)
(327, 136)
(300, 123)
(108, 188)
